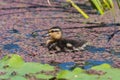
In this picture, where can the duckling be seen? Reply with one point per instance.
(58, 43)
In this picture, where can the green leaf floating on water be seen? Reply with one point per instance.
(65, 74)
(80, 74)
(43, 76)
(18, 78)
(17, 69)
(78, 70)
(102, 66)
(31, 67)
(13, 61)
(13, 67)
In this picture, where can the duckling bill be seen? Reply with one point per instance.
(58, 43)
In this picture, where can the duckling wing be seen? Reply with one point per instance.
(70, 44)
(77, 45)
(74, 43)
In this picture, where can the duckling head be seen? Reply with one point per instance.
(55, 33)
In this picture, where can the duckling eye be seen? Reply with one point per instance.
(53, 31)
(50, 31)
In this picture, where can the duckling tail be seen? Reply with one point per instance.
(85, 45)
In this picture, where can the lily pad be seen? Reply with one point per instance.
(18, 78)
(31, 67)
(12, 60)
(80, 74)
(43, 76)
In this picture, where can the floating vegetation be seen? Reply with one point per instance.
(13, 67)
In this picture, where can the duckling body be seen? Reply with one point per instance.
(58, 43)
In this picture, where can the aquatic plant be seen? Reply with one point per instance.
(78, 9)
(118, 2)
(13, 67)
(100, 5)
(101, 72)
